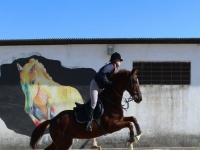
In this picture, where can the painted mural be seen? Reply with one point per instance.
(44, 98)
(35, 89)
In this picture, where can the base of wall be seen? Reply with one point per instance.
(180, 141)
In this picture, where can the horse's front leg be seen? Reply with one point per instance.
(123, 124)
(134, 120)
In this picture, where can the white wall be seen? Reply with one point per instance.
(169, 111)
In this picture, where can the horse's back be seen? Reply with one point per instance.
(64, 113)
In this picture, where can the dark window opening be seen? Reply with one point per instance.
(163, 73)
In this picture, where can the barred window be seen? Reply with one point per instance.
(163, 73)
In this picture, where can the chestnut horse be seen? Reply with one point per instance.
(64, 128)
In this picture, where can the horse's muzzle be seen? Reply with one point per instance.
(138, 98)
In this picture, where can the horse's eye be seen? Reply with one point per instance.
(32, 82)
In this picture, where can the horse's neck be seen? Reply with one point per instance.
(119, 83)
(117, 89)
(112, 103)
(114, 93)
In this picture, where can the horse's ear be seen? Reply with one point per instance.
(20, 69)
(134, 71)
(32, 68)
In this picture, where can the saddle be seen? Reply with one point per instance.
(81, 111)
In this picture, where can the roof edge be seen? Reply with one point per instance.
(66, 41)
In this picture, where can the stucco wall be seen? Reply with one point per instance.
(168, 115)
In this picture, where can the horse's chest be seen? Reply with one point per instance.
(116, 114)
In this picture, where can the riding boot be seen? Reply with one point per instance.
(90, 118)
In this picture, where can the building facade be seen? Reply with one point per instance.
(169, 78)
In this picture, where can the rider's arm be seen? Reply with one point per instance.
(104, 72)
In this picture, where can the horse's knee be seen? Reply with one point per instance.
(130, 126)
(134, 120)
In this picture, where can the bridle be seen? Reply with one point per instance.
(132, 85)
(126, 100)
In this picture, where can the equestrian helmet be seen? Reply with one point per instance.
(114, 57)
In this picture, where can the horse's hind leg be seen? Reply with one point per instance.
(62, 143)
(94, 143)
(68, 143)
(51, 147)
(65, 144)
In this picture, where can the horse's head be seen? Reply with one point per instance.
(133, 87)
(127, 80)
(28, 80)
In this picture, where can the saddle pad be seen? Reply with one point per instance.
(81, 111)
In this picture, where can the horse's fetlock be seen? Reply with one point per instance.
(131, 140)
(131, 136)
(138, 129)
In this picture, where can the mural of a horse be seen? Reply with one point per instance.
(63, 127)
(44, 98)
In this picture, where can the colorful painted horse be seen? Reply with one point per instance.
(44, 98)
(63, 127)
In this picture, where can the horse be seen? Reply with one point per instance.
(64, 127)
(44, 98)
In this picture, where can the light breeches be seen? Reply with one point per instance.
(94, 91)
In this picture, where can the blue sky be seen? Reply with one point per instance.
(34, 19)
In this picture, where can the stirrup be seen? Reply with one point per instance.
(89, 126)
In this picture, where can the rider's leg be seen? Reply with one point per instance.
(94, 90)
(94, 97)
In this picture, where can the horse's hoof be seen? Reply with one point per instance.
(140, 132)
(137, 138)
(128, 143)
(132, 140)
(94, 147)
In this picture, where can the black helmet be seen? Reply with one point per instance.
(115, 56)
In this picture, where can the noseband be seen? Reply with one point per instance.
(132, 85)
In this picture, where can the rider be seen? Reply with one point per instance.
(100, 81)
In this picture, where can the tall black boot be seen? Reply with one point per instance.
(90, 116)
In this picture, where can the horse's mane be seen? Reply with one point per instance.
(41, 67)
(119, 75)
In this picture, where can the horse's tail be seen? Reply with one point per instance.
(38, 133)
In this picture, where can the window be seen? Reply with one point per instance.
(163, 73)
